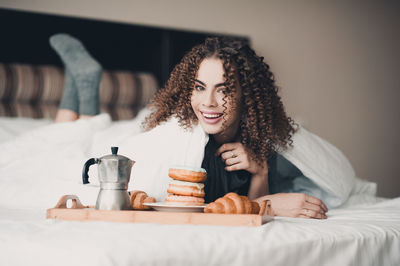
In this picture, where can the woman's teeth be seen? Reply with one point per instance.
(211, 115)
(212, 118)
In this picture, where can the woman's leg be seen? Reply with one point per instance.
(65, 115)
(68, 108)
(83, 75)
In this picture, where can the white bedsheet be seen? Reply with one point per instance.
(366, 235)
(364, 231)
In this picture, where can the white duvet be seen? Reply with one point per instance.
(50, 158)
(45, 162)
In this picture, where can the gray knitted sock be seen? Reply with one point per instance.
(69, 98)
(85, 71)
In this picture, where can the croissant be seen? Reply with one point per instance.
(139, 197)
(235, 204)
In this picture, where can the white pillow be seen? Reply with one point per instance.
(324, 164)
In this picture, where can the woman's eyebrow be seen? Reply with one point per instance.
(223, 84)
(217, 85)
(202, 83)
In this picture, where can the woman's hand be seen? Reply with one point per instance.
(296, 205)
(237, 157)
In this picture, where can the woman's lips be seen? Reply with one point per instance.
(211, 117)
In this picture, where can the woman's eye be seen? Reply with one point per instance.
(223, 90)
(198, 88)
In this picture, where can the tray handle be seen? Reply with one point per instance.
(76, 203)
(265, 208)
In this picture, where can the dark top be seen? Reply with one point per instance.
(219, 182)
(283, 176)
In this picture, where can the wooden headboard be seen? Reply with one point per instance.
(25, 38)
(117, 46)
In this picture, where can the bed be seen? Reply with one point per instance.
(362, 230)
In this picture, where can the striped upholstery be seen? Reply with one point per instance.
(35, 91)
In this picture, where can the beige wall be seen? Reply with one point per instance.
(336, 61)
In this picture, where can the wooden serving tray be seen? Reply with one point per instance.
(79, 212)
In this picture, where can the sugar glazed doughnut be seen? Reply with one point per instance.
(184, 200)
(188, 174)
(186, 188)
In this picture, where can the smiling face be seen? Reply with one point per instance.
(217, 113)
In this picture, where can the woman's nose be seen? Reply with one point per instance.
(209, 99)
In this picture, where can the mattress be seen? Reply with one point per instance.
(363, 231)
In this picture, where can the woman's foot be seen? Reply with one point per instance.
(66, 115)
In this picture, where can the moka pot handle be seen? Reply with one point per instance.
(85, 170)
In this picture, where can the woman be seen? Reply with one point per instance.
(227, 89)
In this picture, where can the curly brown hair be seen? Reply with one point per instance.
(264, 126)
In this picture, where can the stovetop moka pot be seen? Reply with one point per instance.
(114, 172)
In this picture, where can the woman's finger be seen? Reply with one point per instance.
(314, 207)
(307, 212)
(316, 201)
(312, 214)
(225, 147)
(303, 216)
(230, 155)
(236, 167)
(232, 161)
(321, 216)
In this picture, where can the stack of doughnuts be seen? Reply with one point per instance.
(186, 186)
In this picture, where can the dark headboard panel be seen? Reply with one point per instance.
(24, 39)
